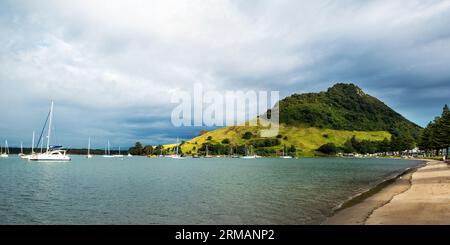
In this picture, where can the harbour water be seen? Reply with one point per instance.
(140, 190)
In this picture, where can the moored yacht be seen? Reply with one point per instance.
(207, 153)
(285, 156)
(108, 152)
(6, 153)
(52, 153)
(118, 155)
(89, 149)
(32, 149)
(21, 150)
(176, 155)
(250, 155)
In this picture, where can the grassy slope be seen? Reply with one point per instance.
(306, 139)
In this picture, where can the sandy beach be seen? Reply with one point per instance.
(418, 197)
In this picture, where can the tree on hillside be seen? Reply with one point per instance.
(292, 149)
(348, 147)
(385, 145)
(148, 150)
(329, 148)
(247, 135)
(136, 149)
(159, 150)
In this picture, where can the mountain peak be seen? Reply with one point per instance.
(346, 88)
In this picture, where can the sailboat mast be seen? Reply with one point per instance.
(89, 146)
(6, 147)
(49, 126)
(177, 148)
(32, 144)
(21, 147)
(109, 150)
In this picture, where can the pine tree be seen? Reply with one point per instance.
(425, 138)
(443, 132)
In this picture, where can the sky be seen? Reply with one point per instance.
(112, 66)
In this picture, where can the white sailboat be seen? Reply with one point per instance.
(52, 153)
(207, 153)
(107, 151)
(285, 156)
(251, 155)
(6, 153)
(176, 155)
(21, 150)
(118, 155)
(32, 149)
(89, 149)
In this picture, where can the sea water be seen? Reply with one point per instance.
(140, 190)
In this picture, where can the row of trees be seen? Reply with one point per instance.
(259, 148)
(435, 138)
(353, 145)
(139, 150)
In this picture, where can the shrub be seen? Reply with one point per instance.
(265, 142)
(329, 148)
(247, 135)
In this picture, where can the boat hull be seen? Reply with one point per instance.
(51, 156)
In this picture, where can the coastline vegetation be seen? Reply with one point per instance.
(435, 138)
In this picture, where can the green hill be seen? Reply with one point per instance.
(305, 139)
(344, 107)
(308, 121)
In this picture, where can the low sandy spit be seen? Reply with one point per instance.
(416, 197)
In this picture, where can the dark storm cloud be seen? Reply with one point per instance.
(112, 70)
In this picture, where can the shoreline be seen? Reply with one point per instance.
(376, 188)
(374, 205)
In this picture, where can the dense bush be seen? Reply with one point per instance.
(329, 148)
(268, 142)
(247, 135)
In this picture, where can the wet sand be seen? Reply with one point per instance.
(419, 197)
